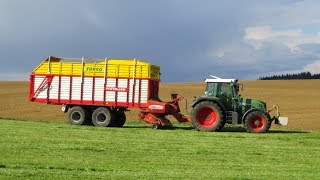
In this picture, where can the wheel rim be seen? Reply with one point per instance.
(101, 117)
(76, 116)
(257, 123)
(207, 117)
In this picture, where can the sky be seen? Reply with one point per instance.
(190, 40)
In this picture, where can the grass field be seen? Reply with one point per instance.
(56, 150)
(52, 149)
(298, 99)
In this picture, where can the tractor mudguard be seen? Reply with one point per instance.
(250, 110)
(213, 99)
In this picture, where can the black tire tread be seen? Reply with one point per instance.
(120, 119)
(109, 117)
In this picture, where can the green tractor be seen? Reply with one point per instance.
(222, 104)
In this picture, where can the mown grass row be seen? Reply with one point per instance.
(58, 151)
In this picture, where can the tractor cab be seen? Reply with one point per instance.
(226, 90)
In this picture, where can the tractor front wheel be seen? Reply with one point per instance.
(257, 122)
(207, 116)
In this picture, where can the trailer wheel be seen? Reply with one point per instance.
(120, 119)
(207, 116)
(102, 117)
(76, 115)
(257, 122)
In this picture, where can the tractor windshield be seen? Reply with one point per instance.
(221, 89)
(225, 88)
(210, 89)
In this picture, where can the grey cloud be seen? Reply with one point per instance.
(180, 36)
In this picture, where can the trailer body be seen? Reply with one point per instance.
(109, 82)
(101, 90)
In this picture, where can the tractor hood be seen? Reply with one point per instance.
(247, 104)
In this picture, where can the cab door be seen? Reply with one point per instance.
(225, 94)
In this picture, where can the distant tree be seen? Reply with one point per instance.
(302, 75)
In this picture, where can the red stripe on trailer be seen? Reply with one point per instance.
(81, 88)
(94, 76)
(93, 88)
(133, 90)
(104, 91)
(139, 94)
(116, 92)
(59, 89)
(48, 92)
(31, 87)
(70, 92)
(71, 81)
(128, 80)
(49, 80)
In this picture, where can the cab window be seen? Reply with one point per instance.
(210, 89)
(225, 89)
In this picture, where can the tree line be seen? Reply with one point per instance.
(302, 75)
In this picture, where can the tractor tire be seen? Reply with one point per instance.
(221, 126)
(207, 116)
(76, 115)
(102, 117)
(120, 119)
(257, 122)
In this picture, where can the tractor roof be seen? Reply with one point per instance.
(217, 79)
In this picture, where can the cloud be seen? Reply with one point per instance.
(313, 68)
(299, 12)
(219, 53)
(258, 36)
(188, 39)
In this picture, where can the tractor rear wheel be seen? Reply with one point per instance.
(76, 115)
(257, 122)
(207, 116)
(102, 117)
(221, 125)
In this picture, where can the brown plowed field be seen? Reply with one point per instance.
(298, 99)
